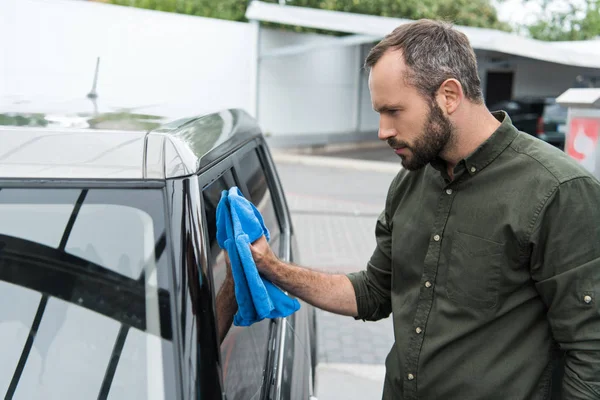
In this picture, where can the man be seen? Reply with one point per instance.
(488, 253)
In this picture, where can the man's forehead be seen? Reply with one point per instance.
(392, 59)
(390, 69)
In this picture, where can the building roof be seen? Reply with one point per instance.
(180, 148)
(580, 54)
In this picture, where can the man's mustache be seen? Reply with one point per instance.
(397, 144)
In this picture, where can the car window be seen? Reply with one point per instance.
(244, 350)
(85, 272)
(508, 106)
(252, 173)
(537, 107)
(555, 112)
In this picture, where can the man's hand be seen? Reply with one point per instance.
(266, 261)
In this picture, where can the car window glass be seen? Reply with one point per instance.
(251, 172)
(124, 242)
(537, 108)
(94, 307)
(44, 225)
(244, 350)
(508, 106)
(555, 112)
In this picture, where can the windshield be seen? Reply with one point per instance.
(85, 297)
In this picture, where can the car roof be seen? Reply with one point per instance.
(180, 148)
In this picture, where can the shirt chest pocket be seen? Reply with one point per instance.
(473, 274)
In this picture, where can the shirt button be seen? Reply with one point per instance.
(436, 238)
(427, 284)
(411, 377)
(587, 299)
(418, 330)
(449, 191)
(473, 169)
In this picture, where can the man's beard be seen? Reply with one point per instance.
(437, 133)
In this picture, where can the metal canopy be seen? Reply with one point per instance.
(334, 42)
(580, 97)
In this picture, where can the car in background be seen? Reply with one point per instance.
(110, 270)
(540, 117)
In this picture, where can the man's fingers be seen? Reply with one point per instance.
(260, 246)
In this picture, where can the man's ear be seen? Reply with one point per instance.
(450, 95)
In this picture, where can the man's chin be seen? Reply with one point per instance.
(411, 165)
(406, 164)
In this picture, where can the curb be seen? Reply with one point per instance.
(336, 162)
(328, 148)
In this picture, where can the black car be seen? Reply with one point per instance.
(540, 117)
(110, 267)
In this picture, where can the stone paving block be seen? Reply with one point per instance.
(345, 340)
(342, 244)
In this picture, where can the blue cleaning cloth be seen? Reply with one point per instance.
(239, 223)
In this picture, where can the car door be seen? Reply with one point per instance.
(271, 358)
(244, 350)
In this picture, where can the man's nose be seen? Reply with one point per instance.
(386, 128)
(386, 133)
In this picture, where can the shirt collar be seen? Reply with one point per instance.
(488, 150)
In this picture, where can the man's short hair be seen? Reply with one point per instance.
(433, 51)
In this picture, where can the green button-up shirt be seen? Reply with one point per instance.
(486, 275)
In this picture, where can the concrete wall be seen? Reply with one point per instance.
(180, 65)
(536, 78)
(314, 97)
(311, 92)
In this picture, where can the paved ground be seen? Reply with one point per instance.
(334, 212)
(349, 382)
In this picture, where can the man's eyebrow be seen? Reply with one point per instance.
(386, 107)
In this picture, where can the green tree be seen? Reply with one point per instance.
(478, 13)
(233, 10)
(580, 21)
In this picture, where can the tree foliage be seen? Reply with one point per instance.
(479, 13)
(233, 10)
(579, 21)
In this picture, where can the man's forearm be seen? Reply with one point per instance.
(330, 292)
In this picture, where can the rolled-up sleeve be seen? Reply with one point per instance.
(565, 265)
(373, 285)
